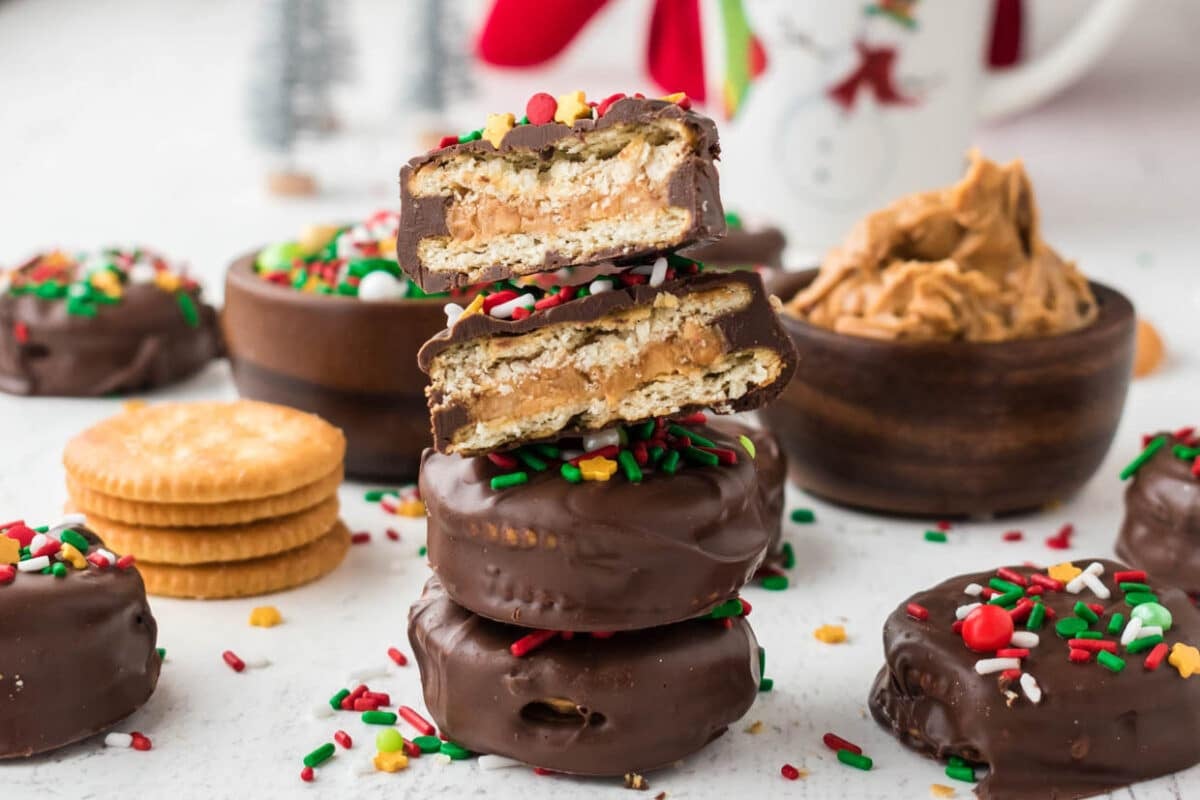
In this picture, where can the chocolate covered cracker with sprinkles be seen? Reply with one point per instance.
(1063, 683)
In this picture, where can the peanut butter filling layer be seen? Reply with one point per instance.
(966, 262)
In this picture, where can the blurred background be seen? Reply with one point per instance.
(206, 128)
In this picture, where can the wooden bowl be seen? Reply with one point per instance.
(351, 362)
(951, 428)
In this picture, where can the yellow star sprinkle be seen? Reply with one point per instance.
(598, 468)
(265, 617)
(572, 106)
(411, 508)
(1184, 658)
(497, 126)
(830, 634)
(391, 762)
(676, 97)
(167, 281)
(10, 550)
(474, 307)
(71, 553)
(1065, 572)
(105, 281)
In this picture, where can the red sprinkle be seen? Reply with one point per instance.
(1012, 652)
(609, 451)
(1155, 656)
(416, 720)
(1092, 645)
(48, 549)
(362, 537)
(1196, 468)
(746, 607)
(1034, 591)
(604, 104)
(1020, 612)
(917, 611)
(1012, 576)
(21, 532)
(495, 299)
(1079, 656)
(397, 656)
(957, 626)
(125, 562)
(1184, 434)
(1013, 536)
(543, 771)
(1047, 582)
(393, 534)
(1062, 539)
(235, 663)
(540, 108)
(1097, 608)
(530, 642)
(445, 141)
(521, 312)
(724, 456)
(602, 634)
(140, 741)
(503, 461)
(21, 332)
(789, 772)
(988, 593)
(343, 738)
(695, 418)
(835, 743)
(7, 573)
(1130, 575)
(98, 561)
(306, 774)
(411, 749)
(1011, 674)
(366, 704)
(382, 698)
(943, 525)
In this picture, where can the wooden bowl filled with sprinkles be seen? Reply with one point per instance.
(329, 325)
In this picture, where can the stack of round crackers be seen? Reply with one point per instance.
(214, 499)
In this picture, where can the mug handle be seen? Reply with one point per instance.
(1017, 89)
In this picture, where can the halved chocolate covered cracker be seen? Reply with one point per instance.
(637, 351)
(636, 180)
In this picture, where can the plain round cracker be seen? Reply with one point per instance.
(206, 452)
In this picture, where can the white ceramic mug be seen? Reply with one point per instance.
(859, 102)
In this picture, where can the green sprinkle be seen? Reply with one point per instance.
(1003, 586)
(803, 516)
(523, 121)
(776, 583)
(472, 136)
(645, 430)
(1109, 661)
(957, 761)
(852, 759)
(698, 456)
(59, 569)
(1185, 452)
(1137, 598)
(1036, 617)
(935, 536)
(360, 267)
(656, 453)
(162, 653)
(44, 571)
(422, 550)
(74, 539)
(187, 307)
(1144, 643)
(299, 280)
(347, 289)
(680, 431)
(732, 220)
(42, 528)
(748, 445)
(789, 556)
(961, 772)
(379, 718)
(766, 684)
(1070, 627)
(1007, 599)
(547, 450)
(509, 480)
(1116, 622)
(671, 463)
(374, 495)
(320, 755)
(762, 660)
(1089, 635)
(530, 460)
(335, 702)
(1082, 610)
(1129, 586)
(1142, 457)
(730, 608)
(428, 744)
(571, 472)
(455, 751)
(630, 466)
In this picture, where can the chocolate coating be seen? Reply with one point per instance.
(694, 185)
(740, 249)
(76, 655)
(1161, 531)
(755, 326)
(140, 343)
(350, 362)
(598, 555)
(634, 702)
(1094, 730)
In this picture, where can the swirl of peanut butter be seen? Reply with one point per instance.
(966, 262)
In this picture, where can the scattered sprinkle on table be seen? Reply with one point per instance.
(830, 634)
(935, 536)
(265, 617)
(803, 516)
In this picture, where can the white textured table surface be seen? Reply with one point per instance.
(124, 122)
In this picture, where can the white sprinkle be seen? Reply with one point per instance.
(973, 589)
(962, 611)
(505, 310)
(33, 564)
(381, 286)
(142, 272)
(604, 438)
(72, 519)
(562, 273)
(39, 541)
(108, 554)
(1149, 630)
(453, 312)
(600, 286)
(364, 766)
(568, 455)
(1131, 631)
(322, 711)
(985, 666)
(364, 674)
(257, 662)
(441, 758)
(1025, 639)
(118, 740)
(1076, 584)
(660, 272)
(492, 761)
(1096, 585)
(1029, 686)
(1095, 568)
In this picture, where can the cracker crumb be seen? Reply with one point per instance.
(941, 790)
(635, 781)
(660, 796)
(754, 728)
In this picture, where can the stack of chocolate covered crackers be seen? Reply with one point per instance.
(589, 526)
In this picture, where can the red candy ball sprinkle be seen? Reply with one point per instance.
(987, 629)
(540, 108)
